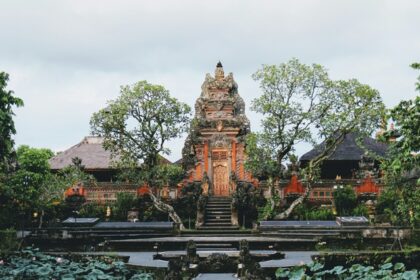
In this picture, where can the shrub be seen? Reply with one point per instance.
(93, 210)
(361, 210)
(304, 212)
(247, 199)
(8, 241)
(345, 200)
(186, 204)
(125, 202)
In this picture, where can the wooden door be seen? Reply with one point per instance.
(221, 179)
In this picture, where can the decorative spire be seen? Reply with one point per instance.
(219, 73)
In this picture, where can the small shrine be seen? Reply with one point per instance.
(214, 151)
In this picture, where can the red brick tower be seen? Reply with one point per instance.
(214, 150)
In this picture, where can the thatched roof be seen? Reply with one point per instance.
(89, 150)
(349, 149)
(92, 154)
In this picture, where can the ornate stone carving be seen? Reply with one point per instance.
(220, 141)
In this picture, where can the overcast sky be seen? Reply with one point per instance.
(67, 58)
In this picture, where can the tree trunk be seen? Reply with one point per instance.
(166, 208)
(41, 219)
(270, 198)
(313, 163)
(286, 213)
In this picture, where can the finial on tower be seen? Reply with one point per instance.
(219, 74)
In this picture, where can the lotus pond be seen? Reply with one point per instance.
(32, 264)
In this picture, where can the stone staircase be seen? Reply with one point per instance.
(218, 214)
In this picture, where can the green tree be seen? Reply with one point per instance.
(345, 200)
(29, 187)
(137, 125)
(7, 126)
(403, 160)
(300, 103)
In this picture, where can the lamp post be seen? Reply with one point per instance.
(156, 248)
(108, 213)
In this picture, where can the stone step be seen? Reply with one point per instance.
(217, 203)
(218, 217)
(219, 199)
(208, 245)
(218, 207)
(211, 249)
(300, 234)
(219, 232)
(221, 224)
(217, 221)
(218, 229)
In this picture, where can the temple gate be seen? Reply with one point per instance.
(214, 150)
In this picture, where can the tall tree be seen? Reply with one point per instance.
(137, 125)
(402, 164)
(29, 187)
(300, 103)
(7, 125)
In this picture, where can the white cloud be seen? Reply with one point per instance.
(66, 58)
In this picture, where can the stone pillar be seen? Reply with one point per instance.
(233, 156)
(206, 157)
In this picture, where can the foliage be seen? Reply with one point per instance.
(300, 103)
(360, 210)
(304, 212)
(125, 202)
(186, 204)
(246, 199)
(147, 210)
(316, 270)
(137, 126)
(7, 125)
(30, 187)
(8, 241)
(74, 174)
(32, 264)
(403, 160)
(345, 200)
(93, 209)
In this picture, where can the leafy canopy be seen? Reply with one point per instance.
(137, 125)
(300, 103)
(403, 163)
(7, 125)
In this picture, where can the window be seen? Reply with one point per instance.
(315, 194)
(321, 194)
(328, 194)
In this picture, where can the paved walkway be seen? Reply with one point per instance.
(208, 239)
(215, 276)
(292, 258)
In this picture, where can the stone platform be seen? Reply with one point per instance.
(210, 242)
